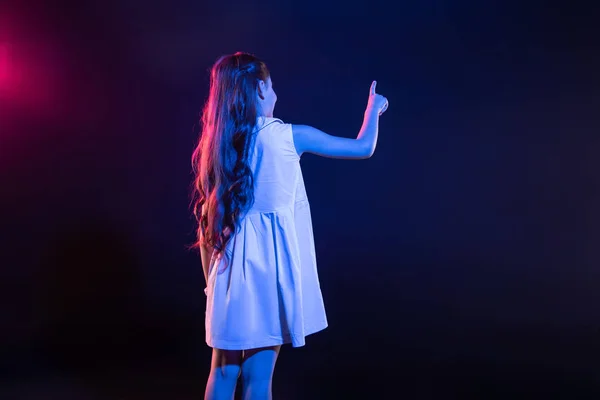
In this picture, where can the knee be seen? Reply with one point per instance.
(226, 373)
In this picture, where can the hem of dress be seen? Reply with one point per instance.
(223, 344)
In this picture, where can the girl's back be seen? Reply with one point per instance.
(276, 167)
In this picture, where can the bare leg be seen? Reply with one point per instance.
(224, 372)
(257, 372)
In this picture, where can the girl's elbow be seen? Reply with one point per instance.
(369, 152)
(364, 149)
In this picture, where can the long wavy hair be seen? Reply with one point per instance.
(223, 186)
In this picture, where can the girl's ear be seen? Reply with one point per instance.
(261, 88)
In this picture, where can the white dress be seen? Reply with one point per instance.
(268, 293)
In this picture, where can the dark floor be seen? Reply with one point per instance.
(161, 354)
(168, 383)
(312, 373)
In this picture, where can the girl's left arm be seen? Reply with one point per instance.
(205, 255)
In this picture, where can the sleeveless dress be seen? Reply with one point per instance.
(267, 293)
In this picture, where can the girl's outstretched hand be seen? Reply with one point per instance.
(377, 103)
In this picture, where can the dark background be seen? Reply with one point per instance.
(461, 260)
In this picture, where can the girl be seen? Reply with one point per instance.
(254, 224)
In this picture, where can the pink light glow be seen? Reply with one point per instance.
(4, 62)
(37, 66)
(30, 77)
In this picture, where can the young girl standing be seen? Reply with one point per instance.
(254, 224)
